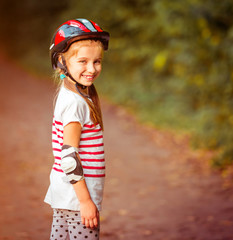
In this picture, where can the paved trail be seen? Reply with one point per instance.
(156, 187)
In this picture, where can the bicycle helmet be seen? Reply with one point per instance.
(72, 31)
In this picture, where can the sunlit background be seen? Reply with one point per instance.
(170, 62)
(170, 65)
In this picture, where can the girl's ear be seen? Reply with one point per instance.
(59, 59)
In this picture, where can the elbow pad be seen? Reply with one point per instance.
(70, 164)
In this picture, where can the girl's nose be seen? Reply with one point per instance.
(91, 68)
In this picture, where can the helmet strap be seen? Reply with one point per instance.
(78, 85)
(81, 93)
(63, 67)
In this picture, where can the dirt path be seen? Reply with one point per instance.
(155, 187)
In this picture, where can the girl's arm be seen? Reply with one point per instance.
(89, 211)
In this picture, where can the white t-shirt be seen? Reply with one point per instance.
(71, 107)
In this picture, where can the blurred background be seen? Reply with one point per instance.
(169, 63)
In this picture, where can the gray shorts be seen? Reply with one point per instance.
(67, 225)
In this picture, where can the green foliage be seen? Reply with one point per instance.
(169, 61)
(175, 59)
(26, 28)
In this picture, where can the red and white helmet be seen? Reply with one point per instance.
(72, 31)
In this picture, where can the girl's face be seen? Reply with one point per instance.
(85, 62)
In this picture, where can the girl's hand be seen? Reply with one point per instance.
(89, 214)
(89, 211)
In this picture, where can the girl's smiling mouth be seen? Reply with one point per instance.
(89, 77)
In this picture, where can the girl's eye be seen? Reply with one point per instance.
(82, 61)
(98, 61)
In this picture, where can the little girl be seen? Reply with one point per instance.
(77, 177)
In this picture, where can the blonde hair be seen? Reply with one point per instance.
(75, 46)
(94, 103)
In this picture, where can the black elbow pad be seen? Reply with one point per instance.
(70, 164)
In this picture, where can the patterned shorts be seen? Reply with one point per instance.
(67, 225)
